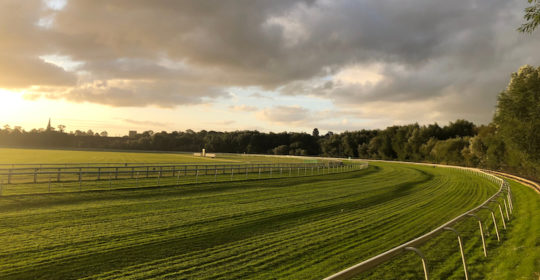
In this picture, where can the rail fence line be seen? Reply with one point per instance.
(134, 176)
(504, 193)
(111, 164)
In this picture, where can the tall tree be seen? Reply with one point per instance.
(518, 112)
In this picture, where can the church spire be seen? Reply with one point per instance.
(49, 127)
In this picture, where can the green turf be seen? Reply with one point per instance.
(70, 183)
(516, 256)
(519, 256)
(11, 156)
(290, 228)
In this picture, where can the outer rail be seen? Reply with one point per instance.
(386, 256)
(535, 186)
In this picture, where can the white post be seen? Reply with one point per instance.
(80, 180)
(424, 261)
(461, 251)
(495, 225)
(502, 216)
(481, 232)
(506, 209)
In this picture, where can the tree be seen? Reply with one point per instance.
(459, 128)
(281, 150)
(532, 17)
(315, 132)
(518, 112)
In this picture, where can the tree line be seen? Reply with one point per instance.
(510, 143)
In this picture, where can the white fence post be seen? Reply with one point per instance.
(481, 232)
(494, 222)
(424, 261)
(460, 250)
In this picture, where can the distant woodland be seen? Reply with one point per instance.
(510, 143)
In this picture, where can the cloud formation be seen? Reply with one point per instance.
(284, 115)
(243, 108)
(415, 60)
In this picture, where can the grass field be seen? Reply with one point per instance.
(517, 256)
(127, 170)
(33, 156)
(292, 228)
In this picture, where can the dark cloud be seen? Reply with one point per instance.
(22, 42)
(140, 93)
(22, 72)
(167, 53)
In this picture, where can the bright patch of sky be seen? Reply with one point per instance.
(254, 96)
(62, 61)
(55, 4)
(360, 74)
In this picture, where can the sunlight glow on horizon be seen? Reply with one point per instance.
(15, 110)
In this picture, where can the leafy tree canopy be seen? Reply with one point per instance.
(518, 112)
(532, 17)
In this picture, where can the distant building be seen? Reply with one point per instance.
(132, 133)
(49, 127)
(204, 154)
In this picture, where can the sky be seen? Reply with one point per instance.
(276, 66)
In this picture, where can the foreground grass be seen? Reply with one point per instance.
(519, 256)
(293, 228)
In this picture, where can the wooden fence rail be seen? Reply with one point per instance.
(102, 172)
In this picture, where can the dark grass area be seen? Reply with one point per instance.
(290, 228)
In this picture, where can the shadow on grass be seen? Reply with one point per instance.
(78, 266)
(27, 201)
